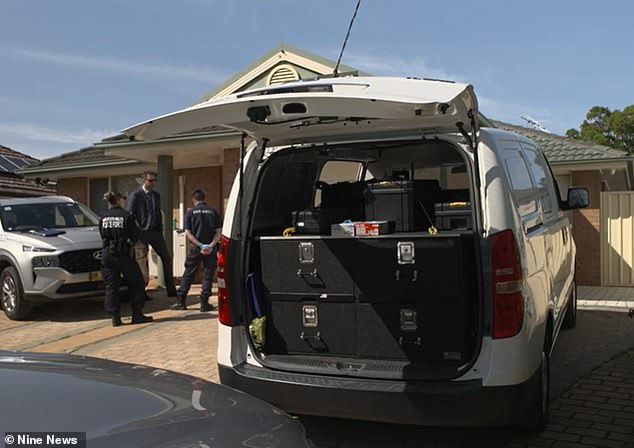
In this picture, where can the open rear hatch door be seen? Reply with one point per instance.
(327, 110)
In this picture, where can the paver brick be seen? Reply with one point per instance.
(613, 428)
(593, 441)
(559, 436)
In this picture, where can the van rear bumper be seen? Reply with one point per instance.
(444, 403)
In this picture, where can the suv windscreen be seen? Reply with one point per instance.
(60, 215)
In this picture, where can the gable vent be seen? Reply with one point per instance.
(283, 73)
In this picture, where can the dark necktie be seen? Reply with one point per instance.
(150, 206)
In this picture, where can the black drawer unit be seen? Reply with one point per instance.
(413, 331)
(314, 266)
(408, 268)
(311, 326)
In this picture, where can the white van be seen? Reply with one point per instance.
(384, 258)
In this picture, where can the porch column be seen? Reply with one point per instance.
(165, 173)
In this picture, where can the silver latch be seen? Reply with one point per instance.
(408, 319)
(309, 316)
(306, 252)
(405, 252)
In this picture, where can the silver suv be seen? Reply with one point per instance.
(50, 249)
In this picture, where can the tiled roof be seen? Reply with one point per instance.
(6, 151)
(81, 156)
(560, 149)
(13, 185)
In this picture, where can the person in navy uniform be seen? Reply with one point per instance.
(119, 231)
(145, 204)
(202, 229)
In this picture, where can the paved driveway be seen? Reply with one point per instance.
(592, 374)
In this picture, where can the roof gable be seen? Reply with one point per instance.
(308, 65)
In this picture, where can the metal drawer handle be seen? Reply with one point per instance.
(413, 278)
(317, 337)
(312, 273)
(416, 341)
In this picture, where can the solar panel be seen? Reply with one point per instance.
(17, 160)
(6, 165)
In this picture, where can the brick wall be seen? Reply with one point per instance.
(76, 188)
(208, 179)
(586, 230)
(229, 171)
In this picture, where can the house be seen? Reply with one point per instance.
(15, 185)
(208, 158)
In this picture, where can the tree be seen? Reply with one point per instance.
(614, 128)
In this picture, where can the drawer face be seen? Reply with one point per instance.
(411, 269)
(307, 266)
(311, 326)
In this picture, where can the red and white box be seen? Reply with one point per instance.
(371, 228)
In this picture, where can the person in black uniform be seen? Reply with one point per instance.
(119, 231)
(202, 229)
(145, 204)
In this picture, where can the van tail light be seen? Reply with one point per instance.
(224, 311)
(508, 302)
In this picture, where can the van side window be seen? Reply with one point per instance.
(522, 187)
(335, 171)
(541, 176)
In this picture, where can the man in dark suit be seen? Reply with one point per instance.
(145, 204)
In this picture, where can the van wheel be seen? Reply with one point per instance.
(12, 296)
(539, 412)
(570, 319)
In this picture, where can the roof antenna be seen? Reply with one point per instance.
(534, 123)
(345, 41)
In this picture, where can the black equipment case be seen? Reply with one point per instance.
(453, 216)
(391, 201)
(312, 221)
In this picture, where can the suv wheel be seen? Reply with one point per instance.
(11, 295)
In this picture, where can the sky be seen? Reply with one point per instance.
(75, 71)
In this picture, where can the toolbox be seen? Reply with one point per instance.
(453, 215)
(311, 221)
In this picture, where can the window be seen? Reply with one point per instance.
(334, 171)
(98, 187)
(521, 184)
(541, 176)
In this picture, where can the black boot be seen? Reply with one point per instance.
(139, 318)
(180, 303)
(205, 305)
(116, 320)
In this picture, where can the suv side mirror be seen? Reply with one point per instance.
(578, 197)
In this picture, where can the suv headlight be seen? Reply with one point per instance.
(49, 261)
(27, 248)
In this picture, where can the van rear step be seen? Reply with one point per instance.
(361, 368)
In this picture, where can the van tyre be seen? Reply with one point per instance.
(12, 295)
(570, 319)
(536, 419)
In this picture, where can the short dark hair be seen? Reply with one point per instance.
(198, 195)
(147, 173)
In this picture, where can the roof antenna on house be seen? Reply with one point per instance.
(345, 41)
(535, 124)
